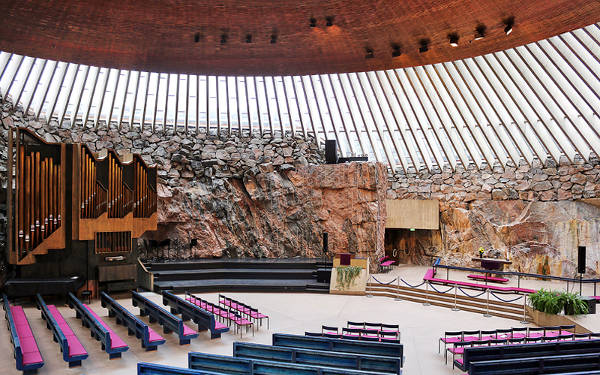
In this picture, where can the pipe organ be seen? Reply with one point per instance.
(66, 197)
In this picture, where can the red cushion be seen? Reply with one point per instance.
(115, 340)
(188, 331)
(75, 347)
(32, 357)
(153, 336)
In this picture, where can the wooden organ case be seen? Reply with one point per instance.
(88, 207)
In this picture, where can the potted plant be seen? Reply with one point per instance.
(546, 301)
(573, 304)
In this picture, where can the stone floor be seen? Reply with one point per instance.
(420, 327)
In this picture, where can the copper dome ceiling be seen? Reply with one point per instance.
(275, 37)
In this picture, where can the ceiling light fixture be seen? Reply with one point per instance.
(423, 45)
(248, 38)
(196, 37)
(453, 39)
(273, 38)
(224, 38)
(396, 50)
(329, 21)
(480, 31)
(313, 22)
(508, 25)
(369, 53)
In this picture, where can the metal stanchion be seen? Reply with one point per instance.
(524, 321)
(455, 308)
(487, 309)
(398, 290)
(426, 303)
(369, 295)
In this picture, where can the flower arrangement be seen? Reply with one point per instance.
(481, 251)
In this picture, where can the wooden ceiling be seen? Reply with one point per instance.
(210, 36)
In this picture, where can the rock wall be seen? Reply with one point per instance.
(536, 215)
(243, 196)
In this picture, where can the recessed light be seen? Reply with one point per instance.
(453, 39)
(224, 38)
(508, 25)
(329, 21)
(313, 22)
(396, 50)
(423, 45)
(273, 38)
(480, 31)
(248, 38)
(369, 53)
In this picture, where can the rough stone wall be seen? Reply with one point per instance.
(243, 196)
(536, 215)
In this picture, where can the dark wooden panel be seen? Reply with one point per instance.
(117, 272)
(161, 35)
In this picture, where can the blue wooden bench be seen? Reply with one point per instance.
(26, 352)
(150, 339)
(385, 349)
(204, 319)
(317, 357)
(111, 342)
(72, 350)
(538, 365)
(154, 369)
(239, 366)
(168, 321)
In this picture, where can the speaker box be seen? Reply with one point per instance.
(325, 242)
(581, 259)
(331, 156)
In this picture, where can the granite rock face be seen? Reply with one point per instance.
(276, 213)
(536, 215)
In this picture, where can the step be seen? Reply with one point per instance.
(234, 263)
(224, 273)
(476, 305)
(242, 285)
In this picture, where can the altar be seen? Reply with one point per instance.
(492, 264)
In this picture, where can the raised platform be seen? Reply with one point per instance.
(248, 275)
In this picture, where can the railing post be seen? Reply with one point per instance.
(426, 303)
(455, 308)
(398, 290)
(524, 321)
(369, 295)
(487, 310)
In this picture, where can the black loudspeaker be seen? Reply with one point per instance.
(325, 242)
(581, 259)
(331, 156)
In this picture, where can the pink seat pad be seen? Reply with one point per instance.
(429, 276)
(21, 322)
(188, 331)
(459, 360)
(32, 357)
(116, 341)
(153, 336)
(219, 325)
(387, 263)
(242, 322)
(450, 339)
(75, 346)
(258, 315)
(459, 350)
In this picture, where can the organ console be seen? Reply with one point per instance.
(64, 196)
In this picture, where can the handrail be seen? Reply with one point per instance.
(516, 273)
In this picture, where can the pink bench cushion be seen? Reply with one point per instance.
(388, 263)
(219, 325)
(153, 336)
(430, 277)
(488, 278)
(31, 353)
(75, 347)
(115, 341)
(188, 331)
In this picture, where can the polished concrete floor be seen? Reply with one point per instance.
(420, 326)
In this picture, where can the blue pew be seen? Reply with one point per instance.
(150, 339)
(317, 357)
(27, 355)
(198, 315)
(154, 369)
(168, 321)
(72, 350)
(239, 366)
(538, 365)
(111, 342)
(385, 349)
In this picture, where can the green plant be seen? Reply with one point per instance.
(552, 302)
(546, 301)
(573, 304)
(346, 275)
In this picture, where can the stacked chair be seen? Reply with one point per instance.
(229, 315)
(364, 331)
(293, 355)
(242, 308)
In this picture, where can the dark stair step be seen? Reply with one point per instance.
(224, 273)
(198, 264)
(242, 285)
